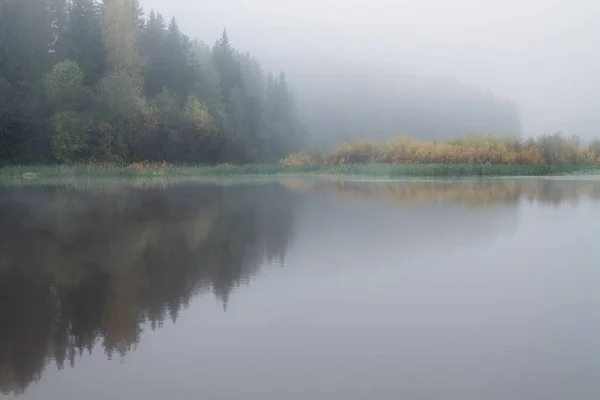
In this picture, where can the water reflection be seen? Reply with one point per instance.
(88, 268)
(411, 218)
(80, 267)
(473, 192)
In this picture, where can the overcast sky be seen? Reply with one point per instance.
(544, 54)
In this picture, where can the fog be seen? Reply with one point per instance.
(541, 54)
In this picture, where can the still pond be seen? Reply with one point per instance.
(294, 289)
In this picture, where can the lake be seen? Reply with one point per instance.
(300, 288)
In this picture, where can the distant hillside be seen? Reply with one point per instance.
(350, 105)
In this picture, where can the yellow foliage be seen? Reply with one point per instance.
(471, 149)
(359, 152)
(296, 160)
(195, 112)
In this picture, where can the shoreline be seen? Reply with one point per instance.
(389, 171)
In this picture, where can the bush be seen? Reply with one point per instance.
(362, 151)
(296, 160)
(472, 149)
(70, 136)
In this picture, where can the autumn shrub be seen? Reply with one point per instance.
(472, 149)
(363, 151)
(296, 160)
(594, 148)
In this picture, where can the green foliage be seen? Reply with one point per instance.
(70, 136)
(125, 114)
(120, 97)
(64, 84)
(82, 80)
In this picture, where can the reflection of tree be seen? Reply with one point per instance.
(25, 333)
(85, 267)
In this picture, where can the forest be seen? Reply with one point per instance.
(86, 81)
(92, 82)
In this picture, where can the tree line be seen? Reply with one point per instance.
(100, 81)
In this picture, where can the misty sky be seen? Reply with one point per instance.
(544, 54)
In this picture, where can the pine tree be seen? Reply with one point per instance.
(25, 40)
(138, 15)
(82, 41)
(227, 65)
(152, 48)
(177, 49)
(26, 43)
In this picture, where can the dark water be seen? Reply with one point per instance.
(301, 289)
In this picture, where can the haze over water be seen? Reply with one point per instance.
(300, 288)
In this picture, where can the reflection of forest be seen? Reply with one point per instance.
(85, 268)
(81, 267)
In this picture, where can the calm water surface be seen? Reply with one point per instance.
(301, 289)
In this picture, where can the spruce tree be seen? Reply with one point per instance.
(82, 40)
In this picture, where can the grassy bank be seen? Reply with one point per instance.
(378, 170)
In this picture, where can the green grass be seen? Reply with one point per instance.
(378, 170)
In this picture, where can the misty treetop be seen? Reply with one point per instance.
(87, 80)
